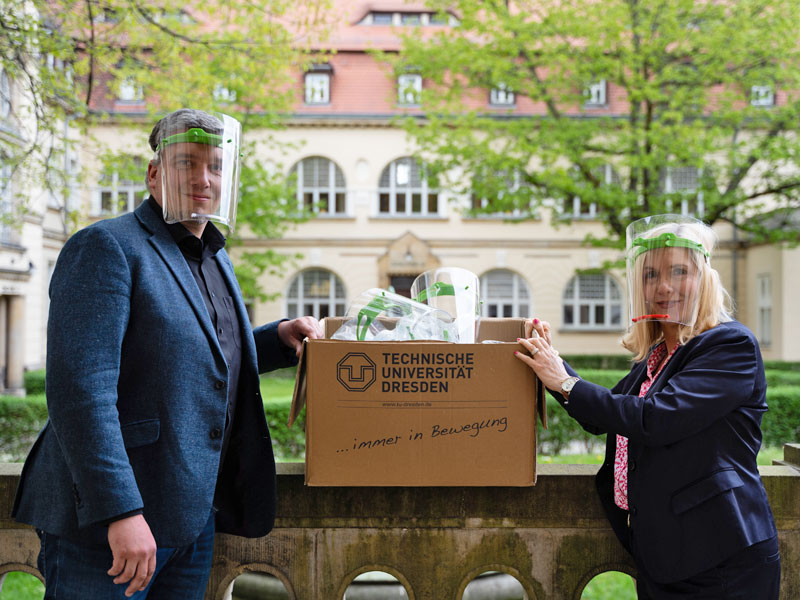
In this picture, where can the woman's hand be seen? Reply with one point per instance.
(542, 357)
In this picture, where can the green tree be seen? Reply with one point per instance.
(67, 60)
(687, 118)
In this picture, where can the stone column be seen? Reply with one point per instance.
(15, 349)
(3, 341)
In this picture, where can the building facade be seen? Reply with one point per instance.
(377, 221)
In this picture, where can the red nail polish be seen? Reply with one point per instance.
(536, 321)
(515, 352)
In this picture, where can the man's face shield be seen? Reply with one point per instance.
(200, 174)
(665, 267)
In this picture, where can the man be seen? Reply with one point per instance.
(157, 435)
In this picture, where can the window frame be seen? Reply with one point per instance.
(607, 302)
(667, 187)
(520, 306)
(600, 86)
(332, 189)
(408, 192)
(502, 96)
(300, 300)
(308, 87)
(402, 89)
(610, 177)
(762, 96)
(117, 188)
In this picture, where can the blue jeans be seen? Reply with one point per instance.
(76, 572)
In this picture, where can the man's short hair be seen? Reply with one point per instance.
(182, 120)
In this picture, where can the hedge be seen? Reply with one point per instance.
(22, 418)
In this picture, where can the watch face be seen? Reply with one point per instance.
(569, 384)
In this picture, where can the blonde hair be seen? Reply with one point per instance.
(714, 304)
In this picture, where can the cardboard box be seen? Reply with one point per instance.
(419, 413)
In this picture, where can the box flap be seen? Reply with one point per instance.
(299, 396)
(541, 402)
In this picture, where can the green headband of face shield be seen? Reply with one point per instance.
(194, 135)
(666, 240)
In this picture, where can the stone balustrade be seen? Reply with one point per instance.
(553, 537)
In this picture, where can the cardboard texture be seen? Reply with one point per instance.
(419, 413)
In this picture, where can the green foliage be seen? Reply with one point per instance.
(21, 419)
(681, 74)
(611, 585)
(34, 382)
(21, 586)
(288, 443)
(781, 423)
(240, 58)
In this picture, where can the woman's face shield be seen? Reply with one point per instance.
(665, 269)
(200, 174)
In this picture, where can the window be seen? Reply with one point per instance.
(762, 95)
(223, 94)
(494, 192)
(317, 293)
(404, 190)
(410, 18)
(8, 233)
(5, 94)
(409, 89)
(684, 181)
(504, 294)
(130, 91)
(578, 208)
(595, 94)
(318, 84)
(764, 308)
(121, 187)
(382, 18)
(320, 186)
(501, 96)
(592, 301)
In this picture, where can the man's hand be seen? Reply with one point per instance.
(292, 333)
(134, 551)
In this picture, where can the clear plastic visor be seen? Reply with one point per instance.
(456, 291)
(665, 285)
(200, 175)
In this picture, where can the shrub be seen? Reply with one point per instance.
(20, 422)
(781, 423)
(34, 382)
(288, 443)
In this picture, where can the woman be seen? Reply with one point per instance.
(679, 482)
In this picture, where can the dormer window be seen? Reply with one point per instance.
(762, 95)
(409, 89)
(501, 96)
(130, 91)
(318, 84)
(595, 94)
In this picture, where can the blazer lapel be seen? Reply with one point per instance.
(165, 246)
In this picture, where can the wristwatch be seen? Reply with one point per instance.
(567, 385)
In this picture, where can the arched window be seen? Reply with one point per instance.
(404, 190)
(504, 294)
(593, 301)
(315, 292)
(121, 186)
(320, 185)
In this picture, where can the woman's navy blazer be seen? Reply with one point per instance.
(695, 496)
(137, 393)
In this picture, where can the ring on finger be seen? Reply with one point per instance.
(534, 351)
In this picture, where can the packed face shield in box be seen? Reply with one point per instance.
(419, 413)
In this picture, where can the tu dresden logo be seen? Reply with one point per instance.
(356, 371)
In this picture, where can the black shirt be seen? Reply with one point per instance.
(200, 256)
